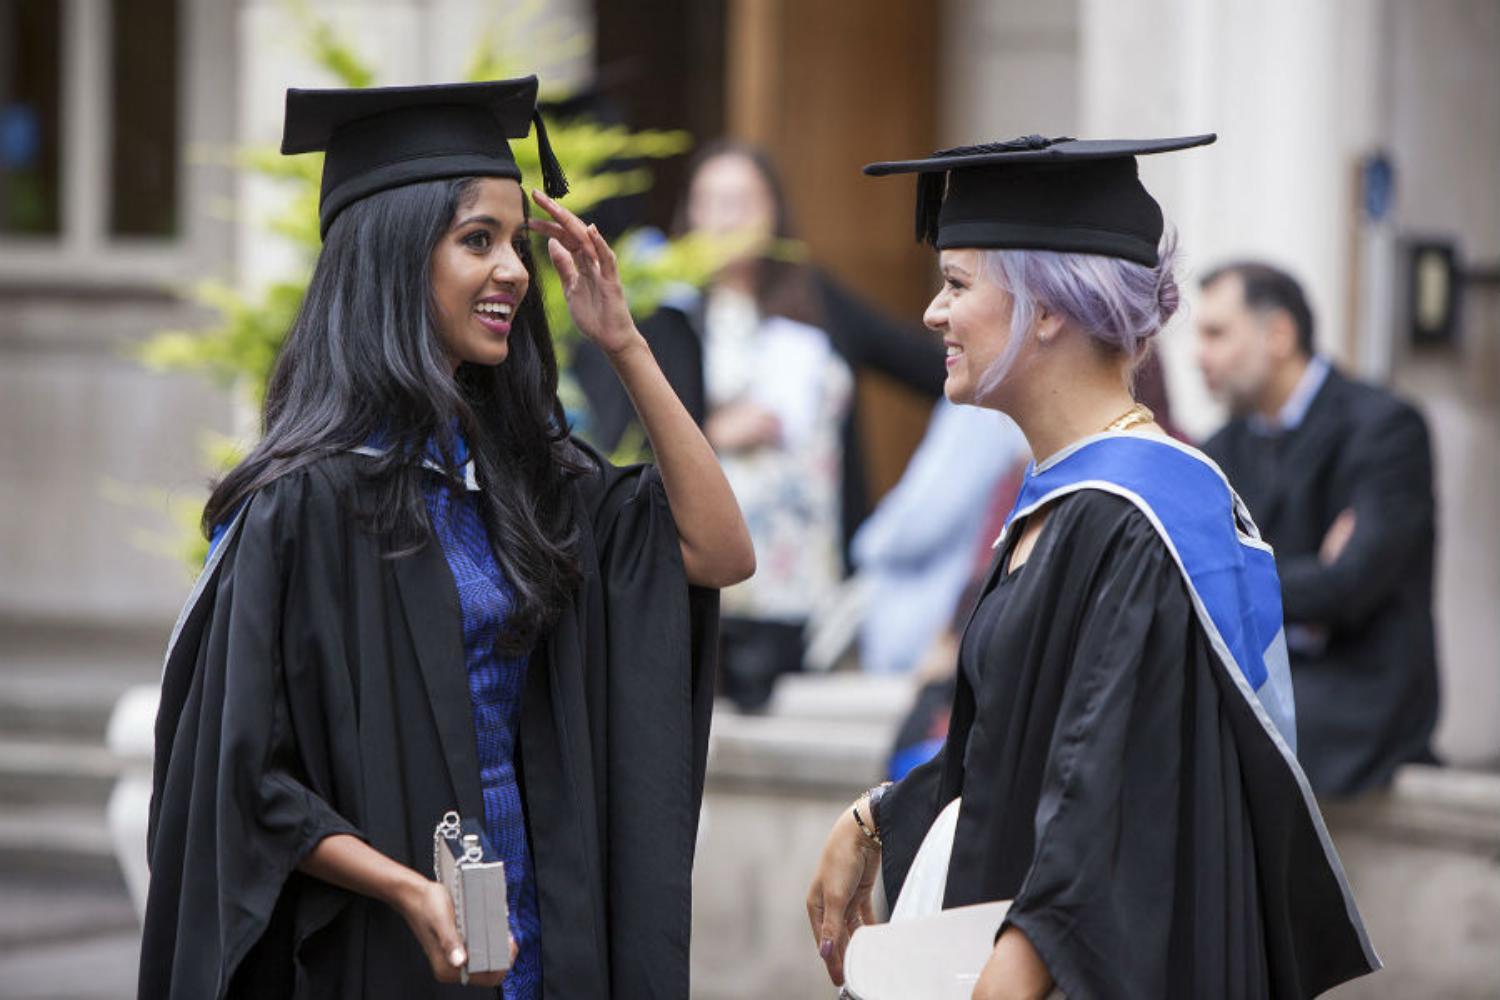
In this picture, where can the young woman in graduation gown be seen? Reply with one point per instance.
(425, 596)
(1120, 758)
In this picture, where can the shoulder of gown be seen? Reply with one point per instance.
(650, 639)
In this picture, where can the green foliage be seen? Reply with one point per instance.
(328, 50)
(549, 40)
(240, 350)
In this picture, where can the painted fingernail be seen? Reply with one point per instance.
(457, 956)
(826, 948)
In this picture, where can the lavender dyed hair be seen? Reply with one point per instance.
(1121, 305)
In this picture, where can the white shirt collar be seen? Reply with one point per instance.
(1294, 410)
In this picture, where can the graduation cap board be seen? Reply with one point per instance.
(1035, 193)
(377, 138)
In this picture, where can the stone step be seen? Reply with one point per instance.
(41, 771)
(65, 695)
(844, 696)
(71, 842)
(54, 931)
(28, 709)
(815, 754)
(57, 710)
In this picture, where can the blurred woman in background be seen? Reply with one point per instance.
(764, 357)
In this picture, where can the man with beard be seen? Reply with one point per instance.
(1338, 475)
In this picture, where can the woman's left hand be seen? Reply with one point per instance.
(590, 278)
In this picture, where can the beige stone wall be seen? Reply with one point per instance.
(81, 424)
(1444, 134)
(86, 430)
(1009, 68)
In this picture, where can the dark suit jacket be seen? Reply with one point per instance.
(1366, 688)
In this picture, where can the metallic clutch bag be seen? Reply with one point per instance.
(463, 861)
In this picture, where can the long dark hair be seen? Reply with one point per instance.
(782, 287)
(364, 362)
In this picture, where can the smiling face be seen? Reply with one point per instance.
(479, 275)
(972, 314)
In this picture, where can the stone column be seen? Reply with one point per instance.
(1290, 89)
(1009, 68)
(1444, 136)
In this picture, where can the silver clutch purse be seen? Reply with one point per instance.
(463, 861)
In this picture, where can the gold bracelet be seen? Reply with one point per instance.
(871, 834)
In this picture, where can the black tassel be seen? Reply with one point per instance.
(554, 181)
(930, 190)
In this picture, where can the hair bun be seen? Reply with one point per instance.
(1168, 297)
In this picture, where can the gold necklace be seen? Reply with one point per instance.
(1133, 417)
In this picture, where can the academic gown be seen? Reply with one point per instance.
(1118, 788)
(315, 685)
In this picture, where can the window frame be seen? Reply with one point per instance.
(85, 252)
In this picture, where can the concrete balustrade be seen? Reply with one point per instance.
(1423, 857)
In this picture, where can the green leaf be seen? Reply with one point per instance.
(328, 50)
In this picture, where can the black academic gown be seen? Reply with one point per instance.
(317, 686)
(1118, 787)
(1365, 669)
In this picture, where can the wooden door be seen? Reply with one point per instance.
(828, 86)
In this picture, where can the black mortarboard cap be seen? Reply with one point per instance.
(376, 138)
(1069, 195)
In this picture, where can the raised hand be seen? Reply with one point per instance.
(590, 277)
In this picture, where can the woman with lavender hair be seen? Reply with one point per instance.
(1120, 763)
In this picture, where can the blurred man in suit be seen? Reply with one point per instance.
(1338, 475)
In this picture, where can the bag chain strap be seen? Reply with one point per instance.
(449, 829)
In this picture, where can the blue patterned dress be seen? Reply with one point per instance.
(495, 684)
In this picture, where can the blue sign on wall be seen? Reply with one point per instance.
(1378, 177)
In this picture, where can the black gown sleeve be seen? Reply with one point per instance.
(242, 764)
(1138, 822)
(662, 637)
